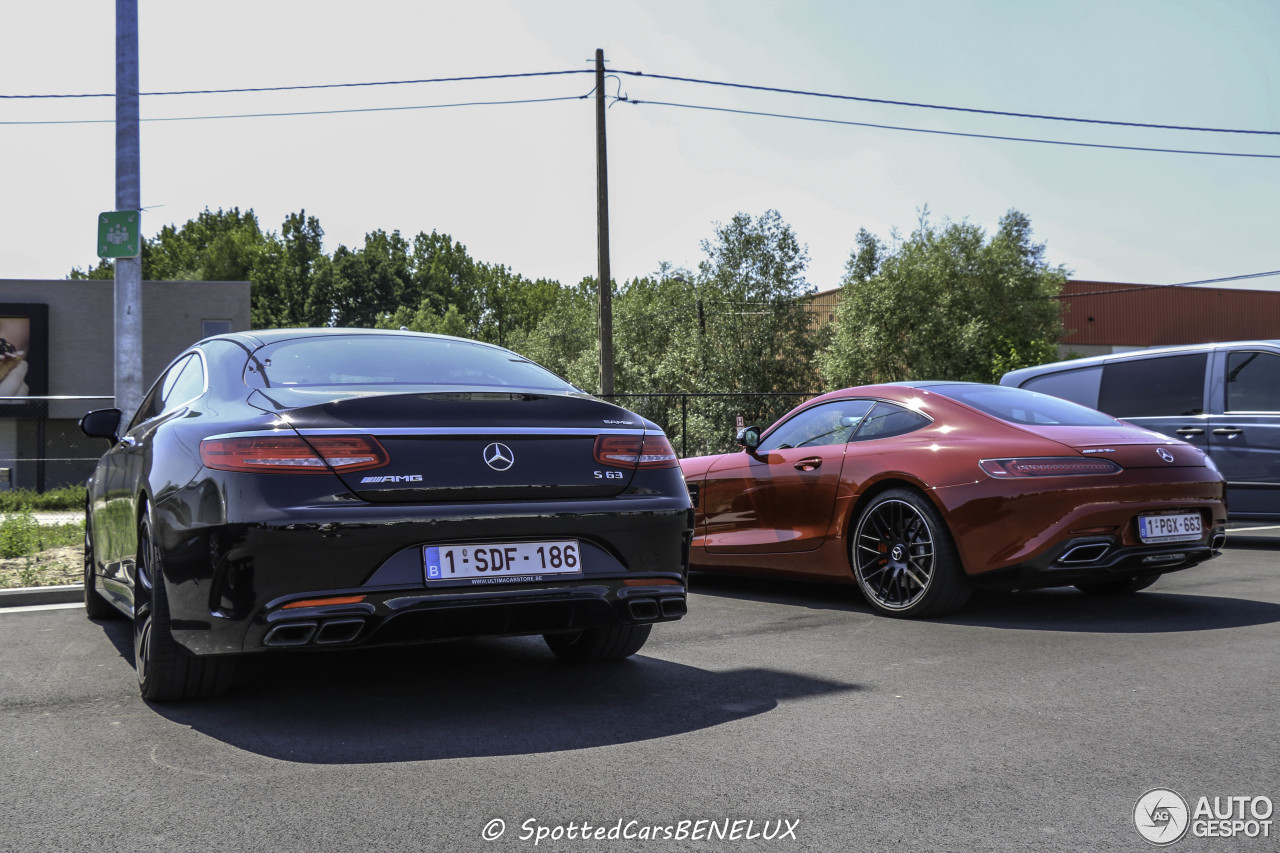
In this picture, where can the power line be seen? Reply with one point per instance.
(916, 105)
(954, 132)
(319, 112)
(314, 85)
(671, 77)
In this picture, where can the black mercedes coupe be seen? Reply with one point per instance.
(305, 489)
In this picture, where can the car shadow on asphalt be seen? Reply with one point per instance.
(1060, 609)
(468, 698)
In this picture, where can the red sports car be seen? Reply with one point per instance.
(919, 491)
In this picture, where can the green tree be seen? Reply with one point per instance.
(221, 245)
(946, 303)
(282, 283)
(564, 338)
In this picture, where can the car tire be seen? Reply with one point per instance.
(595, 645)
(166, 671)
(903, 557)
(95, 606)
(1121, 587)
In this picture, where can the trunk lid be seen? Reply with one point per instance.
(464, 445)
(1128, 446)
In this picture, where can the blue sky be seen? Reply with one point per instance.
(516, 184)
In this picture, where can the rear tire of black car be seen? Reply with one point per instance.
(1121, 587)
(596, 645)
(166, 671)
(904, 559)
(95, 606)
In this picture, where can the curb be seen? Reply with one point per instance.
(33, 595)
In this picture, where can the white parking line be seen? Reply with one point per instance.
(67, 606)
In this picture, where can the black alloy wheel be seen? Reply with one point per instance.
(903, 558)
(166, 671)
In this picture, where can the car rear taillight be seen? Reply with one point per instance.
(293, 454)
(1048, 466)
(635, 451)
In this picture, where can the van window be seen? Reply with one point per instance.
(1078, 386)
(1253, 382)
(1168, 386)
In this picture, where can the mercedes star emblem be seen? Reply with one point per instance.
(498, 456)
(1164, 454)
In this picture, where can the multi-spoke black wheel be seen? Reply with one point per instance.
(166, 671)
(95, 606)
(903, 557)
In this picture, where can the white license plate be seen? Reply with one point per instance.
(1169, 528)
(495, 561)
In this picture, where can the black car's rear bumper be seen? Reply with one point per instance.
(231, 581)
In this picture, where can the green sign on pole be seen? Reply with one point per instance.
(119, 234)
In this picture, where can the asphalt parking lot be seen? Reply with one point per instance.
(1026, 722)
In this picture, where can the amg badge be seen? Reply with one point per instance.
(394, 478)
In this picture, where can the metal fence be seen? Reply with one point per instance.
(701, 424)
(41, 446)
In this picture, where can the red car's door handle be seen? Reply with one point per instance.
(1228, 431)
(810, 464)
(1190, 431)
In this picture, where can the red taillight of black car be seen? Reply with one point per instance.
(1048, 466)
(293, 454)
(635, 451)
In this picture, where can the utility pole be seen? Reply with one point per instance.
(602, 238)
(128, 292)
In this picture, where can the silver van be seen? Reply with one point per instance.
(1223, 398)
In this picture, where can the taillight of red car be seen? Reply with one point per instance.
(1048, 466)
(635, 451)
(293, 454)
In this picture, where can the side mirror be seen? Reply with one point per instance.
(749, 437)
(101, 423)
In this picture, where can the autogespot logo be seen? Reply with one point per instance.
(1161, 816)
(498, 456)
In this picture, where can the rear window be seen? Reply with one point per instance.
(1078, 386)
(1163, 387)
(1019, 406)
(1253, 382)
(395, 360)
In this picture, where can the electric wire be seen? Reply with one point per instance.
(469, 79)
(956, 132)
(318, 112)
(671, 77)
(862, 99)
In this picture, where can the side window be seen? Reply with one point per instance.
(1078, 386)
(186, 385)
(888, 420)
(1154, 387)
(164, 393)
(1253, 382)
(830, 423)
